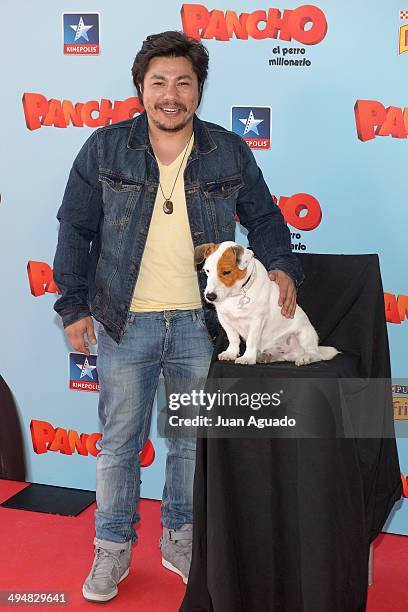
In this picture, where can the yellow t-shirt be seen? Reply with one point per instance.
(167, 278)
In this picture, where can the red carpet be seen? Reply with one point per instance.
(46, 553)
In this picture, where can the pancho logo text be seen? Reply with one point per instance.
(59, 440)
(396, 308)
(198, 22)
(40, 278)
(373, 119)
(301, 210)
(38, 111)
(404, 485)
(45, 438)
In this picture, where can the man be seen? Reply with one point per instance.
(141, 195)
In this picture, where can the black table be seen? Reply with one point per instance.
(285, 524)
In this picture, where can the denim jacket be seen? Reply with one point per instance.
(108, 204)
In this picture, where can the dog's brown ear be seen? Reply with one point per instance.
(239, 251)
(242, 256)
(202, 251)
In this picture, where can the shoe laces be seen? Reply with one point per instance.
(181, 542)
(105, 560)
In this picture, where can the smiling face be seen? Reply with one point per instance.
(170, 93)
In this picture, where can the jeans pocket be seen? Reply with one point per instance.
(199, 317)
(200, 320)
(100, 329)
(101, 334)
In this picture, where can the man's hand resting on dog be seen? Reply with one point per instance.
(287, 292)
(76, 331)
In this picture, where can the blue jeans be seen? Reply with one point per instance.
(175, 342)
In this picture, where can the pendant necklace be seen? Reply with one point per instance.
(168, 204)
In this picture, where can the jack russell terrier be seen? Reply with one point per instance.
(246, 301)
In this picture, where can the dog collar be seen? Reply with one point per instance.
(245, 299)
(247, 280)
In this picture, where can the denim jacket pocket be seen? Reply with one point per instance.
(119, 196)
(224, 188)
(221, 196)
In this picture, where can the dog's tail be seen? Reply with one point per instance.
(327, 352)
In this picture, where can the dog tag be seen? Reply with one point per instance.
(243, 301)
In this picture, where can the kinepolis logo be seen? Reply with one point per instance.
(253, 124)
(198, 22)
(403, 34)
(83, 373)
(373, 119)
(38, 111)
(81, 33)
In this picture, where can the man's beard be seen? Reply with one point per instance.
(173, 128)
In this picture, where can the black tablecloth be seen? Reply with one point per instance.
(285, 524)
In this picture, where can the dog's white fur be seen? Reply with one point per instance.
(269, 336)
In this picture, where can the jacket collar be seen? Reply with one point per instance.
(139, 135)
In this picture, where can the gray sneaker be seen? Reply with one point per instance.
(176, 549)
(110, 566)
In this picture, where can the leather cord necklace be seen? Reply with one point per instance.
(168, 204)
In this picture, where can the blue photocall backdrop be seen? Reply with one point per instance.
(319, 90)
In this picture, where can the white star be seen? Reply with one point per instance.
(86, 369)
(251, 123)
(81, 30)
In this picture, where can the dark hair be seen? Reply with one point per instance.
(171, 44)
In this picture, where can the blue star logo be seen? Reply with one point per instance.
(251, 124)
(86, 369)
(81, 30)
